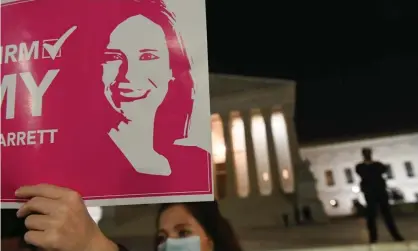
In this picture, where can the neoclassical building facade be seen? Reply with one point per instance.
(333, 166)
(259, 175)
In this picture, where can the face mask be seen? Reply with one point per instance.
(181, 244)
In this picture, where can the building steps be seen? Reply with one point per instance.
(404, 246)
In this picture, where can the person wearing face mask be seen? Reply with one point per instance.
(56, 218)
(194, 226)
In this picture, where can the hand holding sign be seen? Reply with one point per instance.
(61, 221)
(123, 108)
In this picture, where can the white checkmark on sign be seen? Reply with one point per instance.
(53, 49)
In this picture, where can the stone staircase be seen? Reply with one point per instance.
(337, 235)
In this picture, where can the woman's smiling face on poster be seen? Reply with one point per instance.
(136, 68)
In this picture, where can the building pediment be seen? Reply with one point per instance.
(231, 92)
(224, 85)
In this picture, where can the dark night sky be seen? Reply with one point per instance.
(356, 64)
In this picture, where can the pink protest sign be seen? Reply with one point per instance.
(109, 98)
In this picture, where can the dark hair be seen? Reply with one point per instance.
(11, 226)
(182, 86)
(366, 151)
(211, 220)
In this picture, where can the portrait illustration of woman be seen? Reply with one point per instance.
(147, 81)
(121, 102)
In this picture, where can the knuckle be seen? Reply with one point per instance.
(36, 200)
(73, 196)
(29, 203)
(42, 186)
(32, 203)
(24, 207)
(29, 221)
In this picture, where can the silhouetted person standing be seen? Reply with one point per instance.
(373, 185)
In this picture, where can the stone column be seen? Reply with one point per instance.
(305, 192)
(249, 147)
(229, 157)
(292, 136)
(293, 146)
(274, 166)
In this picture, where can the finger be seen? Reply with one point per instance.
(42, 190)
(37, 205)
(38, 222)
(36, 238)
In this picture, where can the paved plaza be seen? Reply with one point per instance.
(344, 232)
(336, 233)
